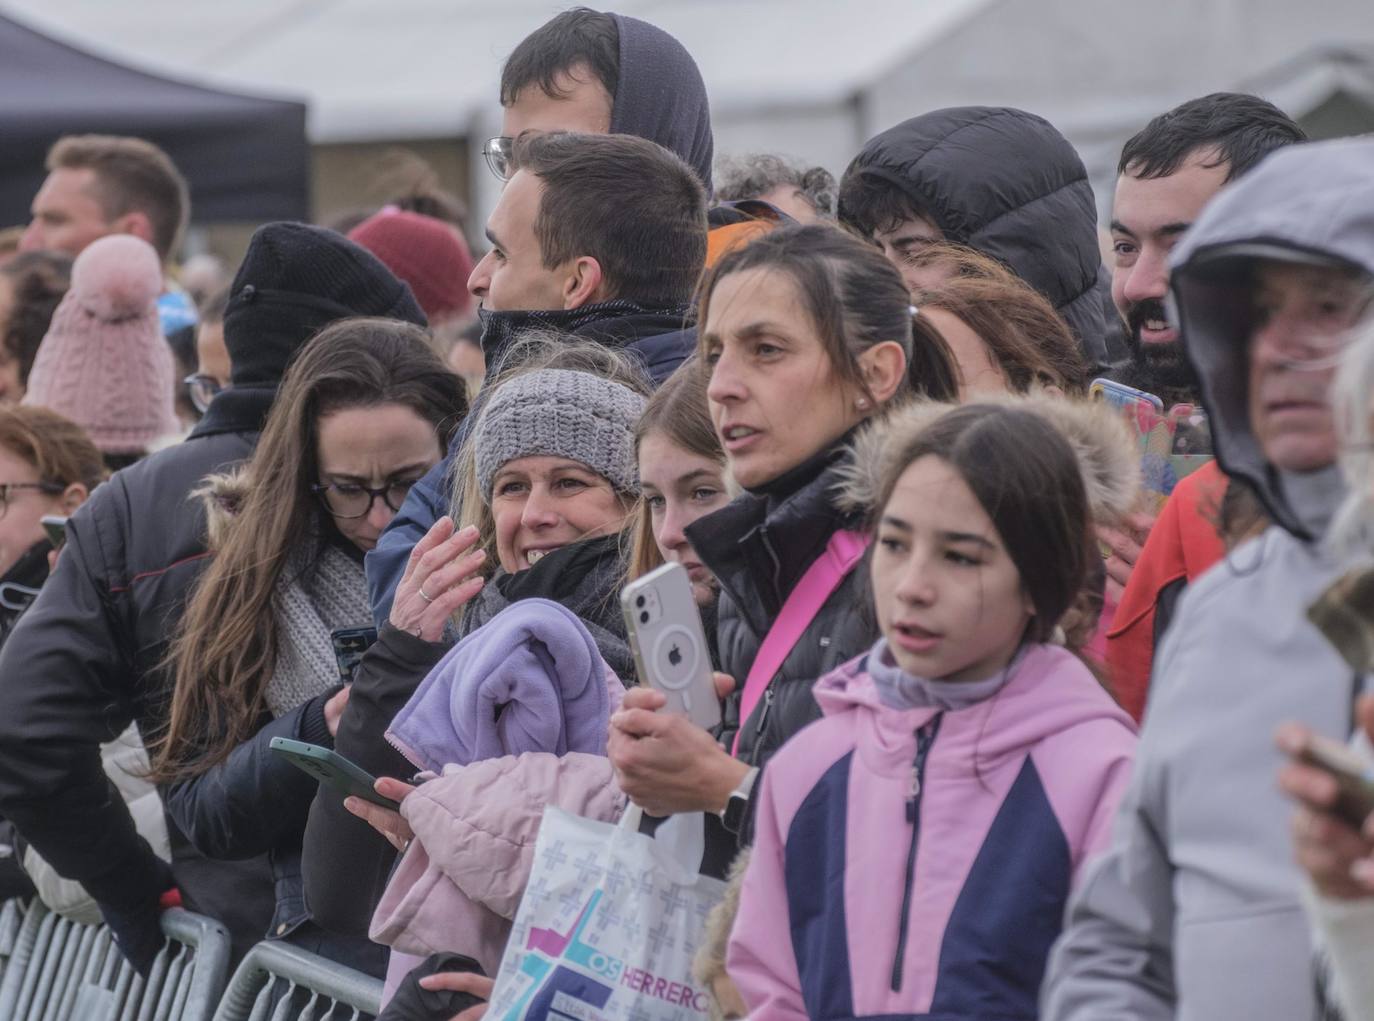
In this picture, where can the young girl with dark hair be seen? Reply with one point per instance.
(920, 841)
(364, 412)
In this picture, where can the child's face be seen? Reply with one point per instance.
(950, 601)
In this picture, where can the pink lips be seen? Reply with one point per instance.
(914, 639)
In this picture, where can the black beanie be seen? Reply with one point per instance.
(294, 281)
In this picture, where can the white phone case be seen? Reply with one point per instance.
(669, 644)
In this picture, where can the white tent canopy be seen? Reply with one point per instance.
(426, 68)
(810, 78)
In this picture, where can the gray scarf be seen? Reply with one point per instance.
(901, 690)
(311, 601)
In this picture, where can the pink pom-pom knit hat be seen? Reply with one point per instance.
(104, 362)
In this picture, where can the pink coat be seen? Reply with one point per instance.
(918, 862)
(460, 882)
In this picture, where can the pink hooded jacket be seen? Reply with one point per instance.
(917, 863)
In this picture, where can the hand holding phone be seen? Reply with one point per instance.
(328, 766)
(1353, 774)
(350, 644)
(669, 645)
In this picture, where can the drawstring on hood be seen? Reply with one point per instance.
(1308, 204)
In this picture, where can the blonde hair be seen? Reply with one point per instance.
(679, 411)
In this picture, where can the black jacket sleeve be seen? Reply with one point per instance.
(255, 800)
(346, 863)
(66, 680)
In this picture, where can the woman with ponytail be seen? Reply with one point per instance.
(806, 336)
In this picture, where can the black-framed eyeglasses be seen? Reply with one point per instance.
(350, 500)
(202, 388)
(51, 488)
(499, 153)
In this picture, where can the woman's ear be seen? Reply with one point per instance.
(883, 367)
(583, 283)
(73, 497)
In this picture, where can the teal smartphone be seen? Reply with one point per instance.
(328, 766)
(55, 528)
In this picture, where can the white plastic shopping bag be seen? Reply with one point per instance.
(608, 925)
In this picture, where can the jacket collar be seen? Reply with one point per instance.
(240, 409)
(616, 323)
(759, 545)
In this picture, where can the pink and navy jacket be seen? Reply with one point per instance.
(922, 859)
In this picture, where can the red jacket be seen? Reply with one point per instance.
(1183, 543)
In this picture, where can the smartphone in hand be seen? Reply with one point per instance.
(328, 766)
(1353, 775)
(350, 643)
(55, 528)
(669, 645)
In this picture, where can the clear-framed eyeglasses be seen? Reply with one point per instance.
(499, 153)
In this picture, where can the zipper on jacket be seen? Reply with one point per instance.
(925, 737)
(769, 694)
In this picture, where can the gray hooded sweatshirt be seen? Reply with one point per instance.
(1194, 912)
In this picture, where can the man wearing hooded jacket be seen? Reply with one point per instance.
(1001, 181)
(88, 656)
(589, 72)
(1194, 912)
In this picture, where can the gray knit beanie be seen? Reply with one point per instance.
(560, 413)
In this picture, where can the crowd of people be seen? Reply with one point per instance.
(1021, 715)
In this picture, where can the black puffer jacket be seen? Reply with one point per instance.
(85, 660)
(759, 546)
(1008, 184)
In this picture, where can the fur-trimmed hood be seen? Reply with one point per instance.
(1102, 442)
(223, 496)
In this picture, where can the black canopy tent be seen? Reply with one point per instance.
(246, 158)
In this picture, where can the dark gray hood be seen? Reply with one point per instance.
(661, 96)
(1304, 203)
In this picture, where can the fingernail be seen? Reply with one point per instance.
(1363, 871)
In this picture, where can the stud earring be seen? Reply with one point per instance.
(861, 403)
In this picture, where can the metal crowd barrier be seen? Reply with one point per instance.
(284, 983)
(58, 970)
(11, 922)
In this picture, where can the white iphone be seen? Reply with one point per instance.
(669, 644)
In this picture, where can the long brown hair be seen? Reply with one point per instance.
(227, 640)
(1028, 340)
(678, 409)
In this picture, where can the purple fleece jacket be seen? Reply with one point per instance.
(529, 680)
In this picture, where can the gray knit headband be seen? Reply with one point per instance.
(560, 413)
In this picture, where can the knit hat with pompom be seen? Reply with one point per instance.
(104, 362)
